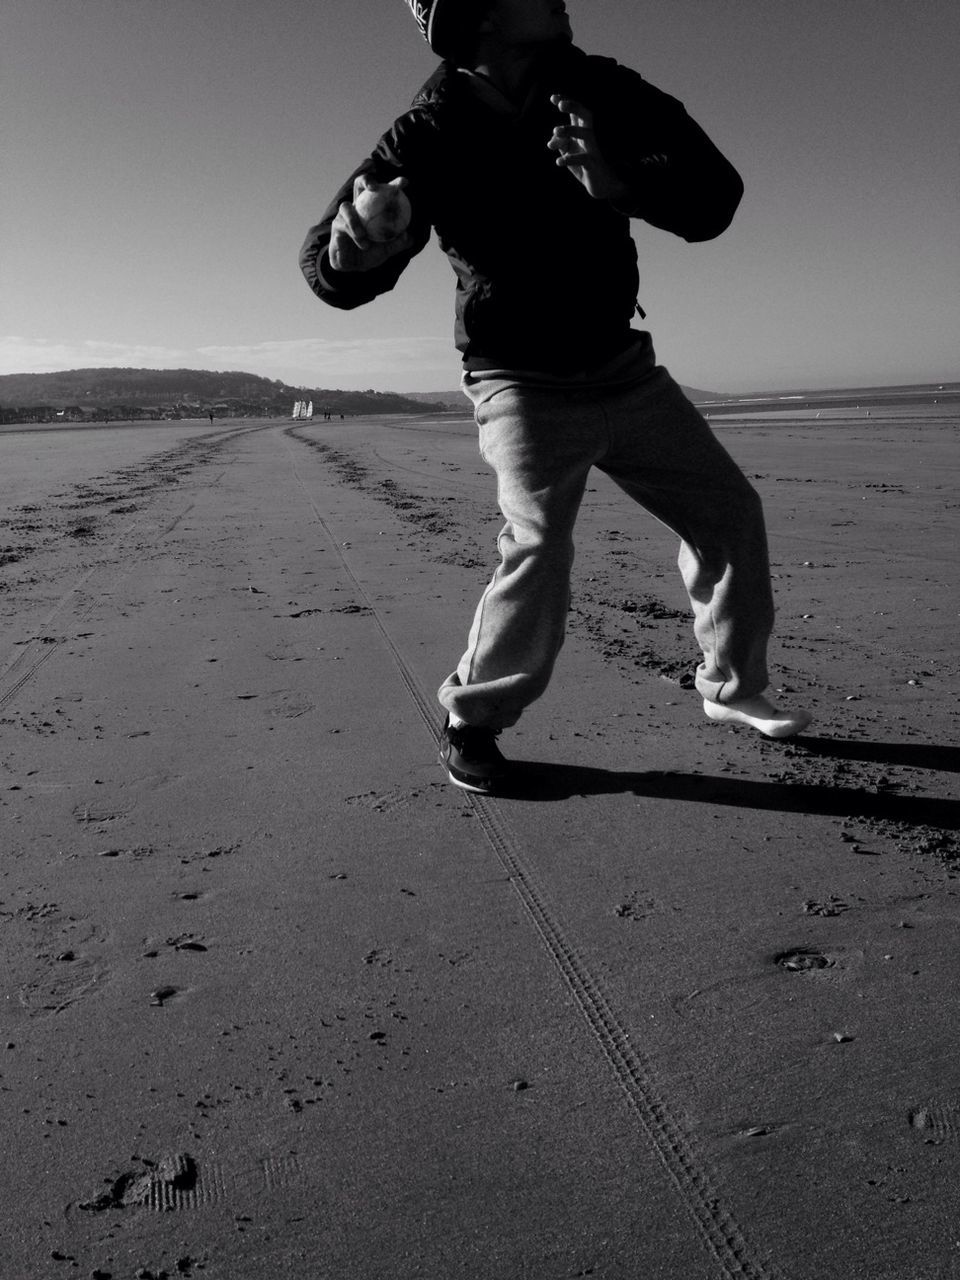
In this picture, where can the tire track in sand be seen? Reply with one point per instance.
(634, 1072)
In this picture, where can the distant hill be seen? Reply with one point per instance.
(441, 399)
(89, 394)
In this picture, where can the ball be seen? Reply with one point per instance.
(384, 210)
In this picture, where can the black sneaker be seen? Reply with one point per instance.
(471, 757)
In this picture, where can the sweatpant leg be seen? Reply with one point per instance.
(664, 455)
(541, 446)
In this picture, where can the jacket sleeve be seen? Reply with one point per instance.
(395, 155)
(678, 180)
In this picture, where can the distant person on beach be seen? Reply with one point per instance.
(528, 158)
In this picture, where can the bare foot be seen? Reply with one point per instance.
(760, 714)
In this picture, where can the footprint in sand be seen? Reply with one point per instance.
(936, 1122)
(802, 960)
(65, 962)
(61, 987)
(65, 976)
(163, 1186)
(831, 906)
(387, 802)
(289, 706)
(96, 812)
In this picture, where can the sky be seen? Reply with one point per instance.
(163, 160)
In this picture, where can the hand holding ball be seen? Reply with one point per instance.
(382, 207)
(371, 228)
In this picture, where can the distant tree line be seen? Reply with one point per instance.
(85, 395)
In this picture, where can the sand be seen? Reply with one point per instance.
(280, 1002)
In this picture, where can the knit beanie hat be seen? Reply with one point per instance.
(444, 23)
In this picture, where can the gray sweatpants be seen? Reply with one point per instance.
(541, 435)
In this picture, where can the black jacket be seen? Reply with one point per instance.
(546, 274)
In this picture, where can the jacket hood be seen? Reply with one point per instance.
(555, 60)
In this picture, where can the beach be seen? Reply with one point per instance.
(278, 1001)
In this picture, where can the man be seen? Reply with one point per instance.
(528, 158)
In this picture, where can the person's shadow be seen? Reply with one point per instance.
(540, 781)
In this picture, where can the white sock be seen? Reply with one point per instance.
(456, 722)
